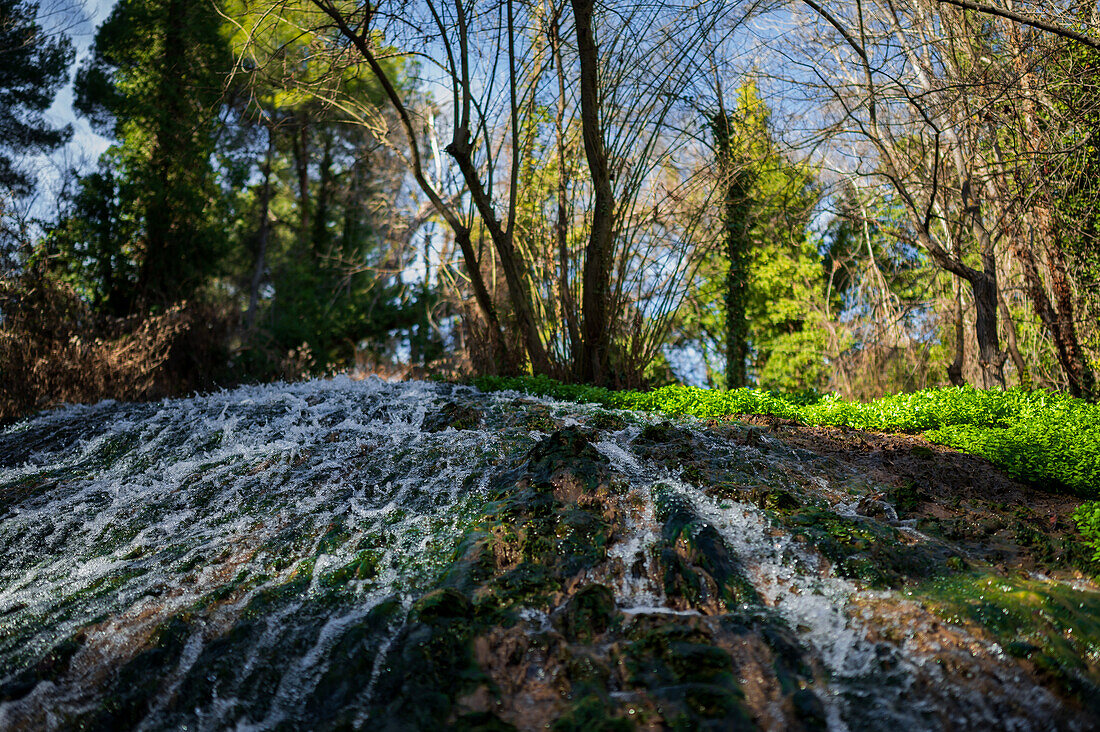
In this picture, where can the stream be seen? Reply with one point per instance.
(360, 554)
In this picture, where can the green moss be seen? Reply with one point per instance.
(609, 421)
(481, 722)
(906, 497)
(692, 679)
(1054, 626)
(593, 713)
(430, 664)
(364, 566)
(351, 664)
(112, 449)
(864, 549)
(452, 416)
(591, 611)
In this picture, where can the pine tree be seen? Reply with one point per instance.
(33, 66)
(153, 83)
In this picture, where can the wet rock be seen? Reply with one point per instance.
(443, 604)
(609, 421)
(452, 416)
(877, 509)
(51, 667)
(691, 680)
(588, 613)
(698, 566)
(809, 710)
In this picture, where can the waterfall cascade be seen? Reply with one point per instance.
(362, 554)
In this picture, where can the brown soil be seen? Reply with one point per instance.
(953, 495)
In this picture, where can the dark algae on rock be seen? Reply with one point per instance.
(344, 555)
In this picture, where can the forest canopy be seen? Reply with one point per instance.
(807, 196)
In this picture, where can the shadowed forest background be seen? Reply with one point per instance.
(860, 198)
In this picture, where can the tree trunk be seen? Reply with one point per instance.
(518, 294)
(161, 273)
(1082, 381)
(596, 328)
(319, 235)
(561, 226)
(261, 235)
(299, 140)
(955, 368)
(1022, 374)
(736, 185)
(1058, 318)
(990, 356)
(1057, 324)
(484, 301)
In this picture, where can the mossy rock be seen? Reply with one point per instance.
(608, 421)
(698, 566)
(692, 680)
(430, 663)
(135, 685)
(592, 713)
(442, 604)
(1053, 626)
(53, 665)
(452, 416)
(864, 549)
(590, 612)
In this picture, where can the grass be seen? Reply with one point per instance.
(1043, 438)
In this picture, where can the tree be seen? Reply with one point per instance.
(504, 62)
(945, 98)
(153, 83)
(758, 291)
(1046, 183)
(33, 66)
(93, 244)
(882, 295)
(737, 177)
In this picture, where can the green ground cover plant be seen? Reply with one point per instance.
(1037, 436)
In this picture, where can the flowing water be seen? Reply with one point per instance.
(259, 559)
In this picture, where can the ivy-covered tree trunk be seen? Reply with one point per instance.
(736, 181)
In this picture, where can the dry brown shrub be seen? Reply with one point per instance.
(54, 349)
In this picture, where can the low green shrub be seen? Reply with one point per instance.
(1087, 517)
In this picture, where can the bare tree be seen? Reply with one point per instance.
(916, 93)
(614, 74)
